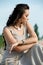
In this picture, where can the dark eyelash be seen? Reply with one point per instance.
(27, 16)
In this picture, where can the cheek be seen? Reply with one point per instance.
(24, 18)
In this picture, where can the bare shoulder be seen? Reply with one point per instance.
(5, 29)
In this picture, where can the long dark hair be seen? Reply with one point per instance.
(16, 14)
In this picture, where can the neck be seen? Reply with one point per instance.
(18, 25)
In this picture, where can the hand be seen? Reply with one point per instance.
(14, 45)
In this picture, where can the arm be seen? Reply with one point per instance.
(9, 37)
(33, 37)
(23, 47)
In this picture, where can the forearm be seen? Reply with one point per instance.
(23, 47)
(28, 43)
(30, 40)
(19, 46)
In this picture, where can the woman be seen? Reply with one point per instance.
(19, 46)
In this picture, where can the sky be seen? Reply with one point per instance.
(35, 17)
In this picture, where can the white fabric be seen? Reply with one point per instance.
(34, 56)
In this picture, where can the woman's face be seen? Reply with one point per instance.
(24, 17)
